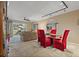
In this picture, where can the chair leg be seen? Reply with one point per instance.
(59, 47)
(44, 46)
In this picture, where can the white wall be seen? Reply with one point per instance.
(42, 25)
(66, 21)
(69, 21)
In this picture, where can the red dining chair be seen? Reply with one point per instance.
(53, 31)
(60, 43)
(44, 41)
(52, 35)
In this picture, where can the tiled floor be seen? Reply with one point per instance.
(32, 49)
(15, 39)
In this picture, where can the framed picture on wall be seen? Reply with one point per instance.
(51, 25)
(34, 27)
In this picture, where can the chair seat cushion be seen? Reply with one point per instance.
(58, 40)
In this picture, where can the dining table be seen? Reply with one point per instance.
(52, 36)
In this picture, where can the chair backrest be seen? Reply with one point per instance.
(53, 31)
(65, 36)
(41, 34)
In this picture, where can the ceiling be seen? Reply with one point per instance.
(34, 10)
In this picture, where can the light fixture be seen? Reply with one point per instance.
(65, 7)
(26, 19)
